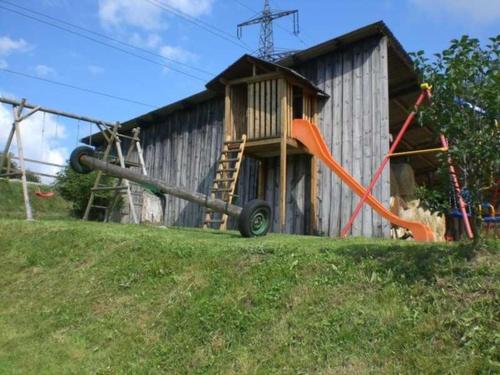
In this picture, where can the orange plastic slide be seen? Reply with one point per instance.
(309, 135)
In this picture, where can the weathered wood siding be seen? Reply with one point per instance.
(355, 124)
(183, 149)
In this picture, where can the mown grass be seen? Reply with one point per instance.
(12, 204)
(94, 298)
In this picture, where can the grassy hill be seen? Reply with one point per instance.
(12, 204)
(94, 298)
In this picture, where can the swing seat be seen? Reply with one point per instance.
(44, 195)
(457, 214)
(492, 219)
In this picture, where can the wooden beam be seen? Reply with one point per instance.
(314, 181)
(262, 179)
(228, 131)
(283, 154)
(256, 78)
(20, 151)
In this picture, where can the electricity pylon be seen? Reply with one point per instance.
(265, 19)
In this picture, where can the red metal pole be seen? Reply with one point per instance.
(458, 191)
(423, 95)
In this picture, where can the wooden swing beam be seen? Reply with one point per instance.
(36, 108)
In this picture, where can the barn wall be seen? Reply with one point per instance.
(183, 148)
(354, 121)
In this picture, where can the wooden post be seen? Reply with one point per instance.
(138, 146)
(314, 180)
(284, 127)
(107, 151)
(20, 152)
(9, 164)
(127, 183)
(7, 147)
(228, 120)
(262, 179)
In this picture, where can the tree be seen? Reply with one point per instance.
(465, 108)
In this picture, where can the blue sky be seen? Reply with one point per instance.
(37, 49)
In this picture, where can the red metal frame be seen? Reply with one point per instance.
(424, 94)
(458, 191)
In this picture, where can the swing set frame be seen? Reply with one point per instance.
(22, 110)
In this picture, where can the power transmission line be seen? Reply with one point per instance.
(104, 44)
(108, 37)
(74, 87)
(277, 24)
(204, 25)
(265, 20)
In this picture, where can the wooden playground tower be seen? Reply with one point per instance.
(261, 101)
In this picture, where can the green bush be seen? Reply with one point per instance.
(76, 189)
(465, 108)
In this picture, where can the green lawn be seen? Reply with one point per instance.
(93, 298)
(12, 203)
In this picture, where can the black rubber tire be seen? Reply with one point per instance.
(253, 211)
(74, 160)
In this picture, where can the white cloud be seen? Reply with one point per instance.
(152, 41)
(3, 64)
(136, 13)
(44, 71)
(42, 139)
(146, 15)
(478, 11)
(177, 53)
(192, 7)
(9, 45)
(95, 70)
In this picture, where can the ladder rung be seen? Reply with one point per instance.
(101, 207)
(226, 170)
(235, 142)
(105, 188)
(213, 221)
(230, 151)
(221, 190)
(120, 135)
(228, 160)
(224, 179)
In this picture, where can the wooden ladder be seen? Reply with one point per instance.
(120, 187)
(226, 179)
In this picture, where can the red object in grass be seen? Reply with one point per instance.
(41, 194)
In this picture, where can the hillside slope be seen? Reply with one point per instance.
(12, 204)
(95, 298)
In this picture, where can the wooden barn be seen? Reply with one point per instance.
(358, 88)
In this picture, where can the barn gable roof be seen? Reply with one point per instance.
(403, 81)
(243, 67)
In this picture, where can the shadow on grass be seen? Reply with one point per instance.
(413, 263)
